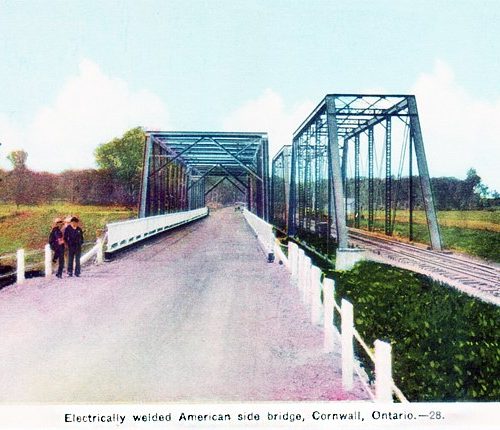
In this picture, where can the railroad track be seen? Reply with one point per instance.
(469, 275)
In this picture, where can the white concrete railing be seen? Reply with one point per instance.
(124, 233)
(262, 229)
(307, 278)
(119, 234)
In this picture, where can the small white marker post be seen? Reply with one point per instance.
(272, 241)
(48, 261)
(315, 295)
(294, 259)
(306, 292)
(383, 371)
(328, 320)
(291, 259)
(100, 251)
(347, 326)
(300, 270)
(20, 266)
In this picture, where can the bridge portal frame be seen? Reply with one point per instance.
(240, 158)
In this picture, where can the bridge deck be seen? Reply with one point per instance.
(195, 315)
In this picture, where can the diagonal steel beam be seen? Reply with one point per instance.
(234, 176)
(235, 185)
(179, 155)
(403, 104)
(202, 176)
(236, 159)
(216, 184)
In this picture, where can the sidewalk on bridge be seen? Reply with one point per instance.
(195, 315)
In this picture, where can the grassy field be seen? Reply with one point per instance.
(472, 232)
(29, 226)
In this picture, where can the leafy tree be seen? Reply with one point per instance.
(122, 157)
(17, 184)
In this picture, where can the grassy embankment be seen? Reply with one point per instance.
(472, 232)
(445, 343)
(29, 226)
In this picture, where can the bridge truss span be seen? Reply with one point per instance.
(344, 170)
(182, 167)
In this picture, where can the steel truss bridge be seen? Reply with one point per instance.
(352, 158)
(313, 188)
(177, 165)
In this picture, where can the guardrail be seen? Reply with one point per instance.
(124, 233)
(119, 235)
(41, 260)
(308, 279)
(263, 231)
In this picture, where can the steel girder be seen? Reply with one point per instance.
(344, 118)
(240, 158)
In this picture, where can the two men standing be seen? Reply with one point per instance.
(70, 235)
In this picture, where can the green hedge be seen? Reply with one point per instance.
(446, 345)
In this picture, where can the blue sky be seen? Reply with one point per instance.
(77, 73)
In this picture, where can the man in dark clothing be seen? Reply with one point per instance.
(56, 242)
(73, 237)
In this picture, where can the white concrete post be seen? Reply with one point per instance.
(347, 326)
(383, 371)
(291, 259)
(100, 251)
(306, 292)
(48, 261)
(300, 270)
(295, 262)
(20, 266)
(292, 247)
(328, 320)
(315, 296)
(272, 240)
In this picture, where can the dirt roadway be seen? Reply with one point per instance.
(197, 315)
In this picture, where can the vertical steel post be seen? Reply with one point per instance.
(307, 186)
(143, 211)
(336, 178)
(272, 217)
(330, 200)
(357, 214)
(388, 176)
(344, 174)
(411, 197)
(423, 172)
(265, 176)
(292, 202)
(317, 217)
(371, 192)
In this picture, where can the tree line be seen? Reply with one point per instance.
(117, 179)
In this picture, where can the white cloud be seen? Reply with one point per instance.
(90, 108)
(268, 113)
(460, 131)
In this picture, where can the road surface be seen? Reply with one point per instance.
(195, 315)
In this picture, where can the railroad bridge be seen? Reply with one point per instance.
(201, 313)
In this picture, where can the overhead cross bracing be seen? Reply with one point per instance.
(339, 132)
(236, 157)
